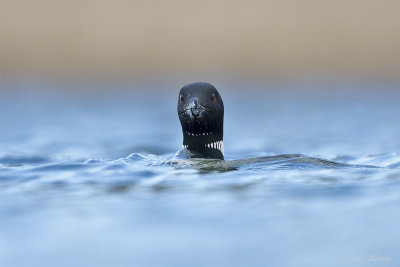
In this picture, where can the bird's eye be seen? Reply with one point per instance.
(181, 98)
(212, 98)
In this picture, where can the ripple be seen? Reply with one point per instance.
(142, 172)
(17, 160)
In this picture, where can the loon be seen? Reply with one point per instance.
(201, 113)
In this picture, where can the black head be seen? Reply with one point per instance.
(201, 113)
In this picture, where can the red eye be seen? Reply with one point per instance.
(182, 98)
(212, 98)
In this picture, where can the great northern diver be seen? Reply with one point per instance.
(201, 113)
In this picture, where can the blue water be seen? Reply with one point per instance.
(90, 178)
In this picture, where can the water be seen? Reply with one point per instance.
(311, 178)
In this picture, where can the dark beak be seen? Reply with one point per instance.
(195, 107)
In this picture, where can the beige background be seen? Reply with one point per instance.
(275, 39)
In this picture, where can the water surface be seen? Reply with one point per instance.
(91, 179)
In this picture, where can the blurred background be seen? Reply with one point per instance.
(125, 41)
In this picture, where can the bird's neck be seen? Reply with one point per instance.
(208, 144)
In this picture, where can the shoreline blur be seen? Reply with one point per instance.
(145, 40)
